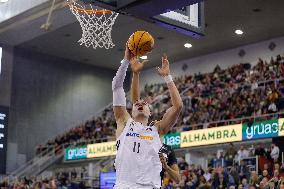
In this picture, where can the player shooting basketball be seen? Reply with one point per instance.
(170, 163)
(137, 161)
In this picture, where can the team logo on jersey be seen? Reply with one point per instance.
(142, 137)
(149, 129)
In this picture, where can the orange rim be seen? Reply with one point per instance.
(90, 11)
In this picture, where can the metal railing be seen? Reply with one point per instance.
(35, 165)
(32, 161)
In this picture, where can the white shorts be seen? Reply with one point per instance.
(131, 186)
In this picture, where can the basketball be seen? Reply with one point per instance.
(140, 43)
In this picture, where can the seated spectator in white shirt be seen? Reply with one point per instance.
(274, 152)
(242, 153)
(272, 108)
(207, 175)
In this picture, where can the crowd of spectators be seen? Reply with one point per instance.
(60, 182)
(231, 168)
(239, 174)
(237, 92)
(61, 178)
(224, 94)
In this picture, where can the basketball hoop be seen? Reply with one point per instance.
(96, 24)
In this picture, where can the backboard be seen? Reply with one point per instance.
(185, 16)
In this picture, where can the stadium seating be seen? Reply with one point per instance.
(239, 93)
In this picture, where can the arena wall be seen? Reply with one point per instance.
(50, 95)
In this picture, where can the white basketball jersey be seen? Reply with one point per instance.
(137, 160)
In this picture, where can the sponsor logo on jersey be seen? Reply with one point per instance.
(142, 137)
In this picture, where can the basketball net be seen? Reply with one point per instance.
(96, 24)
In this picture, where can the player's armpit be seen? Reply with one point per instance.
(121, 116)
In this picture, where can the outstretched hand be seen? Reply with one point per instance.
(137, 66)
(165, 69)
(128, 55)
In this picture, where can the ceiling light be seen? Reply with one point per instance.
(144, 57)
(3, 1)
(187, 45)
(239, 32)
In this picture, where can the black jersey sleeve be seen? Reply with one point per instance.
(172, 158)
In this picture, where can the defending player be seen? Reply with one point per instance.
(137, 161)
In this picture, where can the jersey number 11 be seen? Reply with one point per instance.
(136, 147)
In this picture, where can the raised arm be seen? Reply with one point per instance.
(119, 99)
(172, 169)
(172, 114)
(136, 68)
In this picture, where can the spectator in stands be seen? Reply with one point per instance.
(4, 184)
(235, 175)
(208, 174)
(252, 187)
(243, 170)
(219, 181)
(265, 175)
(276, 175)
(259, 150)
(272, 108)
(245, 183)
(274, 152)
(271, 184)
(230, 154)
(187, 99)
(242, 153)
(199, 171)
(53, 183)
(182, 164)
(261, 184)
(231, 179)
(276, 166)
(269, 170)
(254, 180)
(240, 186)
